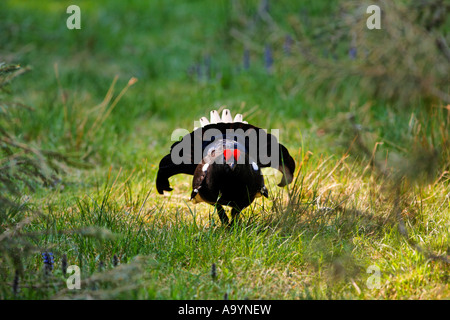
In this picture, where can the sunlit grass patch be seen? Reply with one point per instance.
(371, 187)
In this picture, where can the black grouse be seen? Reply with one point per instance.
(225, 156)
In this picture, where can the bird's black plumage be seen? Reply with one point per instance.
(225, 157)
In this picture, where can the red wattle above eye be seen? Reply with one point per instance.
(236, 154)
(228, 153)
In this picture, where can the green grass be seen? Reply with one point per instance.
(314, 240)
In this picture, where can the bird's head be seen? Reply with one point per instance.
(227, 154)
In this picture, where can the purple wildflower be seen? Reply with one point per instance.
(264, 6)
(352, 53)
(64, 264)
(115, 260)
(213, 271)
(16, 283)
(48, 261)
(287, 45)
(246, 59)
(268, 59)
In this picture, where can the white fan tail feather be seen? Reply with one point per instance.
(226, 118)
(215, 118)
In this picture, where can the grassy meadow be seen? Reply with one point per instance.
(86, 115)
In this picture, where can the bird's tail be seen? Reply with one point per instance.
(216, 118)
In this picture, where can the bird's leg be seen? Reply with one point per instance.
(234, 214)
(222, 214)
